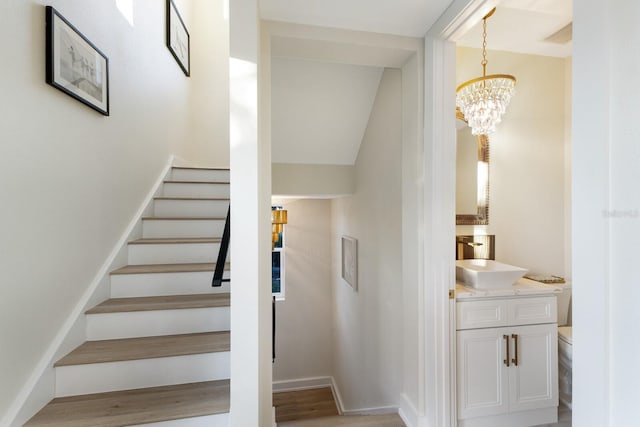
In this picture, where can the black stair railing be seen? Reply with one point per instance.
(219, 273)
(222, 253)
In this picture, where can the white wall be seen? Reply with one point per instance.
(527, 161)
(73, 178)
(368, 346)
(304, 337)
(606, 213)
(209, 95)
(312, 180)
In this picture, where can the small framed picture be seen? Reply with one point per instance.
(350, 261)
(75, 65)
(178, 38)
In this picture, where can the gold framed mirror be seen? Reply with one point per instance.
(472, 175)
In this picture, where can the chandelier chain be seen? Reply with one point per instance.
(484, 47)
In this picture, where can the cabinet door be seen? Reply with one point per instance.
(533, 383)
(482, 376)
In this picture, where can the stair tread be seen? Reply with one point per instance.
(192, 198)
(198, 168)
(163, 240)
(196, 182)
(123, 349)
(168, 302)
(183, 218)
(132, 407)
(168, 268)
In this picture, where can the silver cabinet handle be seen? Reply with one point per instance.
(515, 347)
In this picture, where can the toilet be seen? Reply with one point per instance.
(565, 344)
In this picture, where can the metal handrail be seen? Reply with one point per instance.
(222, 253)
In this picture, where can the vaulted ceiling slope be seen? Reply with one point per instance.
(320, 110)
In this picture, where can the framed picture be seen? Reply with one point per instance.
(75, 65)
(178, 38)
(350, 261)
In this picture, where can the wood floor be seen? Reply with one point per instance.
(317, 408)
(387, 420)
(304, 404)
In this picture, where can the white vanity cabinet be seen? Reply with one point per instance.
(507, 361)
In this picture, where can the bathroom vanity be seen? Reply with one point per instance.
(507, 357)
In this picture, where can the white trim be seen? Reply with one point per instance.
(439, 209)
(47, 360)
(459, 17)
(337, 395)
(381, 410)
(302, 384)
(408, 412)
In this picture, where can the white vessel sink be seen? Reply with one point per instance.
(487, 274)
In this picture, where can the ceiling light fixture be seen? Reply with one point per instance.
(483, 100)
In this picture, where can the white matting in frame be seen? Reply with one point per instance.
(350, 261)
(74, 64)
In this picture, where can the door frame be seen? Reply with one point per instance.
(439, 381)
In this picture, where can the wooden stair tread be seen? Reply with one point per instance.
(167, 241)
(198, 168)
(198, 182)
(169, 302)
(183, 218)
(192, 198)
(118, 350)
(132, 407)
(169, 268)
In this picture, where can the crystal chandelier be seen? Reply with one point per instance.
(483, 100)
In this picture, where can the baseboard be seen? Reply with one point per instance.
(23, 406)
(408, 411)
(302, 384)
(381, 410)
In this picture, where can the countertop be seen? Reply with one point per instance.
(523, 287)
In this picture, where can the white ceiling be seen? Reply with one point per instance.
(522, 25)
(401, 17)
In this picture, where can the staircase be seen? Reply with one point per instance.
(157, 352)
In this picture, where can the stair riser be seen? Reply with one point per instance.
(199, 175)
(191, 208)
(182, 228)
(102, 377)
(218, 420)
(173, 253)
(214, 191)
(145, 285)
(157, 322)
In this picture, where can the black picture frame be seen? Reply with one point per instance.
(178, 39)
(74, 65)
